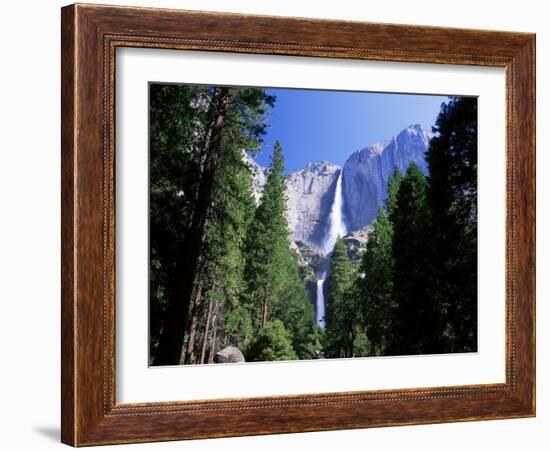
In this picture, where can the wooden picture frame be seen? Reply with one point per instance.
(90, 36)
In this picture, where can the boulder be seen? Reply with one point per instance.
(230, 354)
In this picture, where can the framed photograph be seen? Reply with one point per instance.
(278, 225)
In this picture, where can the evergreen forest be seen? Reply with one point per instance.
(226, 282)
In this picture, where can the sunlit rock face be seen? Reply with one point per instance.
(310, 193)
(366, 173)
(259, 176)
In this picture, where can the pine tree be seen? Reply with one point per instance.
(267, 242)
(171, 341)
(376, 275)
(274, 287)
(293, 307)
(452, 195)
(177, 116)
(223, 256)
(418, 321)
(343, 336)
(379, 307)
(222, 319)
(230, 120)
(393, 189)
(272, 343)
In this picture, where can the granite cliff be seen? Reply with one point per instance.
(325, 201)
(310, 191)
(310, 194)
(366, 173)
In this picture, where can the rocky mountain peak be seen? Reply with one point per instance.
(366, 172)
(322, 166)
(310, 191)
(415, 132)
(414, 129)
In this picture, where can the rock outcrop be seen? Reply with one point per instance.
(311, 257)
(356, 242)
(366, 173)
(259, 176)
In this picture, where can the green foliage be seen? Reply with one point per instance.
(394, 183)
(379, 306)
(377, 301)
(223, 253)
(267, 242)
(415, 288)
(238, 327)
(418, 322)
(180, 124)
(232, 212)
(176, 118)
(343, 316)
(275, 289)
(420, 265)
(272, 343)
(452, 195)
(247, 269)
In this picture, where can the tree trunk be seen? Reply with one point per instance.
(172, 336)
(193, 325)
(264, 314)
(206, 330)
(213, 342)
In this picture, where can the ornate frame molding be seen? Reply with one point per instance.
(90, 36)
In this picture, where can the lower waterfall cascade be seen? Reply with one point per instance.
(321, 301)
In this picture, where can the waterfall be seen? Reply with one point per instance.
(321, 301)
(337, 228)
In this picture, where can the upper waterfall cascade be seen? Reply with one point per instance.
(337, 227)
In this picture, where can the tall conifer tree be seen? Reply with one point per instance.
(418, 323)
(452, 195)
(232, 120)
(378, 304)
(275, 290)
(343, 335)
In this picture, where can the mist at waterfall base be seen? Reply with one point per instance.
(337, 228)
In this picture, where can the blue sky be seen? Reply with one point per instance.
(330, 125)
